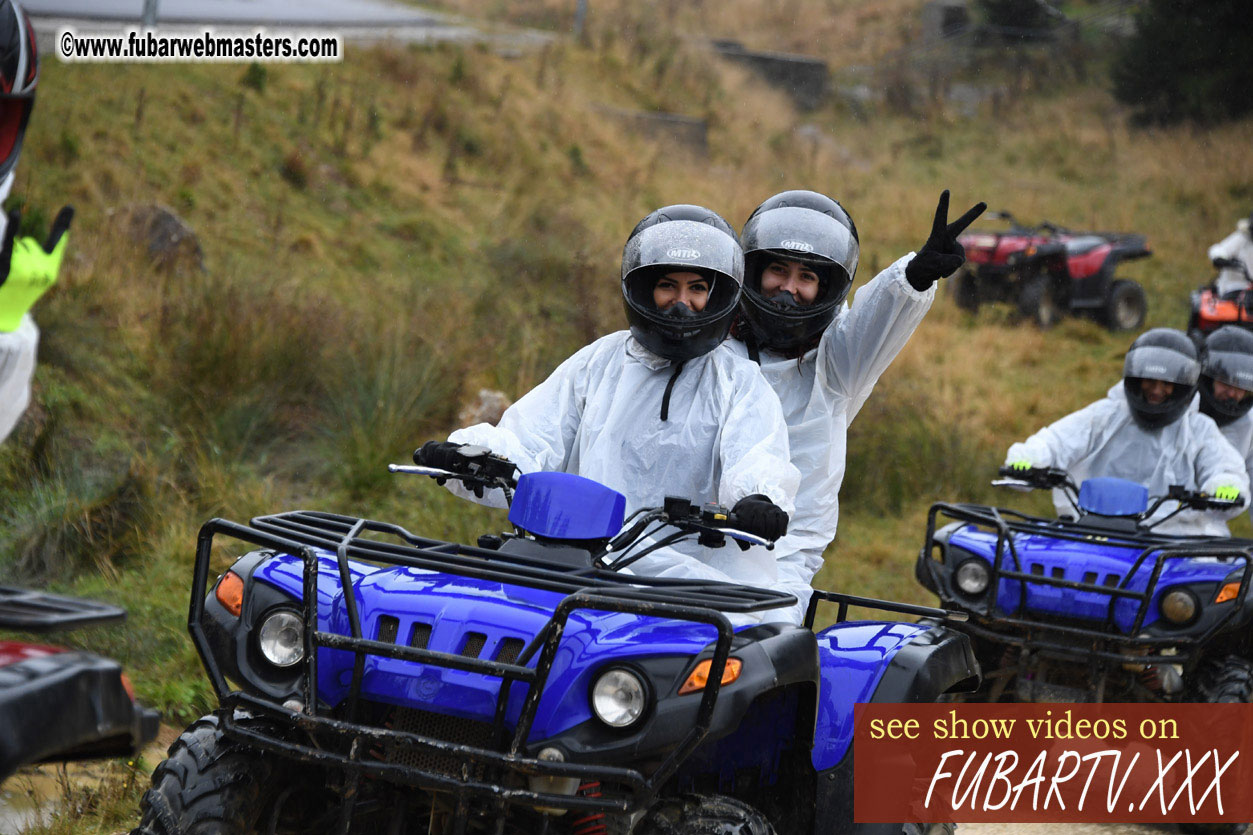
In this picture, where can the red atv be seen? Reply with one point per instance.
(1048, 271)
(1211, 310)
(58, 704)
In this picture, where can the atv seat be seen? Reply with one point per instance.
(1083, 244)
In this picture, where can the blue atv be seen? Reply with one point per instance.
(1098, 607)
(373, 680)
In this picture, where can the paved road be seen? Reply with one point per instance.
(360, 21)
(269, 12)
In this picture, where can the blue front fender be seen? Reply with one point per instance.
(863, 662)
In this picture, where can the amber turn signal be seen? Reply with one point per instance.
(1227, 592)
(230, 592)
(700, 676)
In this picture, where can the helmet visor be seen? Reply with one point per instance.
(1159, 362)
(709, 295)
(806, 236)
(1229, 357)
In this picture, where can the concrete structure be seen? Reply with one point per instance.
(803, 78)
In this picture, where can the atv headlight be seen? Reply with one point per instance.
(619, 698)
(281, 638)
(1180, 606)
(972, 576)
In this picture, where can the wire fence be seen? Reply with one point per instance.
(926, 70)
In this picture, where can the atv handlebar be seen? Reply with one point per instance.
(1196, 500)
(484, 471)
(1034, 478)
(1049, 478)
(711, 523)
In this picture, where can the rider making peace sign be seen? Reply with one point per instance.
(822, 356)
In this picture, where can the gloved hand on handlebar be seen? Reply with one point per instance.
(1223, 263)
(1021, 464)
(1227, 493)
(442, 455)
(760, 516)
(941, 255)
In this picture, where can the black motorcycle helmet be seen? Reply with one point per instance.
(681, 238)
(1161, 354)
(19, 74)
(809, 228)
(1228, 359)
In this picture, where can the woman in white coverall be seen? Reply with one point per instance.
(664, 409)
(1233, 255)
(1145, 431)
(27, 269)
(1226, 388)
(821, 356)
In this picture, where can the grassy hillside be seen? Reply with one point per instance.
(383, 237)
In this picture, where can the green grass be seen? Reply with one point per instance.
(383, 237)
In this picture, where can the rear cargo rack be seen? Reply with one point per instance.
(309, 535)
(36, 611)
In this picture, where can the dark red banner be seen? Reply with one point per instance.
(1052, 763)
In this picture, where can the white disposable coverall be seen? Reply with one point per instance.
(599, 416)
(1103, 440)
(821, 394)
(17, 352)
(1237, 245)
(1239, 433)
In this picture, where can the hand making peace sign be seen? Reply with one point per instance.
(941, 255)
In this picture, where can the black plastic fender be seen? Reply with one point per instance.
(68, 706)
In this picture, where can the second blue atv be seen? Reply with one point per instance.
(374, 680)
(1100, 607)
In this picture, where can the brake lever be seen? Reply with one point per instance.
(412, 469)
(746, 540)
(476, 482)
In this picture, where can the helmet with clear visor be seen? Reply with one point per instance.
(1161, 354)
(810, 229)
(681, 239)
(1228, 360)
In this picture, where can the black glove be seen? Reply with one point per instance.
(442, 455)
(760, 516)
(1222, 263)
(941, 255)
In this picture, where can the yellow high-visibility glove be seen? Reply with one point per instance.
(28, 268)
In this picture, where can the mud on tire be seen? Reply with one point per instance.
(207, 785)
(703, 815)
(1227, 680)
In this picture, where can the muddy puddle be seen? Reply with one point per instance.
(33, 795)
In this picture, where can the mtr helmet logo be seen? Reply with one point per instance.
(799, 246)
(683, 254)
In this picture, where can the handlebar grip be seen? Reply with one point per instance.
(1221, 504)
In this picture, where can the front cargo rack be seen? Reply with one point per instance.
(333, 741)
(1103, 639)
